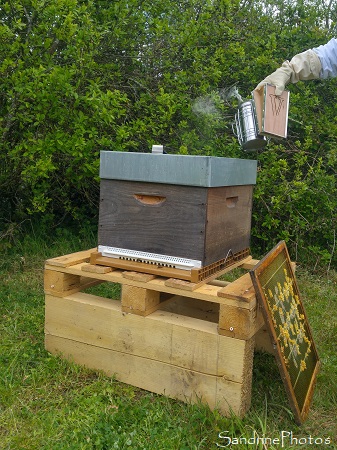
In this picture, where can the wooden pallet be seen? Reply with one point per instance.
(185, 343)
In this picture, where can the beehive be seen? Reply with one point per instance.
(175, 207)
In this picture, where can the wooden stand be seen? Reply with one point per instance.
(162, 336)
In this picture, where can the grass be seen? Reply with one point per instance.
(49, 403)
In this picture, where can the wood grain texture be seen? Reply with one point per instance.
(155, 376)
(62, 284)
(242, 288)
(96, 269)
(272, 111)
(275, 112)
(240, 323)
(191, 307)
(175, 227)
(229, 211)
(136, 300)
(71, 259)
(263, 342)
(195, 223)
(179, 356)
(164, 336)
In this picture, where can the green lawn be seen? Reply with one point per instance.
(49, 403)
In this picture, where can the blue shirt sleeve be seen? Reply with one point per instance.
(328, 56)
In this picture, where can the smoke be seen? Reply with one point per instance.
(205, 105)
(212, 104)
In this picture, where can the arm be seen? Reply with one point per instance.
(327, 55)
(320, 62)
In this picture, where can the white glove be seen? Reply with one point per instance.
(304, 66)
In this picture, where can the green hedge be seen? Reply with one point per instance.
(80, 76)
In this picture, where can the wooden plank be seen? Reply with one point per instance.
(96, 269)
(163, 336)
(71, 259)
(181, 284)
(248, 360)
(241, 289)
(138, 276)
(220, 283)
(249, 265)
(156, 376)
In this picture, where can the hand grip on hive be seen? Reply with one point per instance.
(232, 201)
(149, 199)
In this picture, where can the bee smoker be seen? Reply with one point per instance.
(246, 126)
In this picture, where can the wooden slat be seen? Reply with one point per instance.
(71, 259)
(248, 265)
(96, 269)
(181, 284)
(220, 283)
(138, 276)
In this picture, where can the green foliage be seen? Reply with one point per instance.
(80, 76)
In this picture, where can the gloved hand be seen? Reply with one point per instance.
(304, 66)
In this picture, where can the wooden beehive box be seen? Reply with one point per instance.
(192, 207)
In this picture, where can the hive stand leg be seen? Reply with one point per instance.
(139, 301)
(240, 323)
(61, 284)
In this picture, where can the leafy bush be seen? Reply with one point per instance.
(81, 76)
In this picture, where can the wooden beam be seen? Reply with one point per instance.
(156, 376)
(163, 336)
